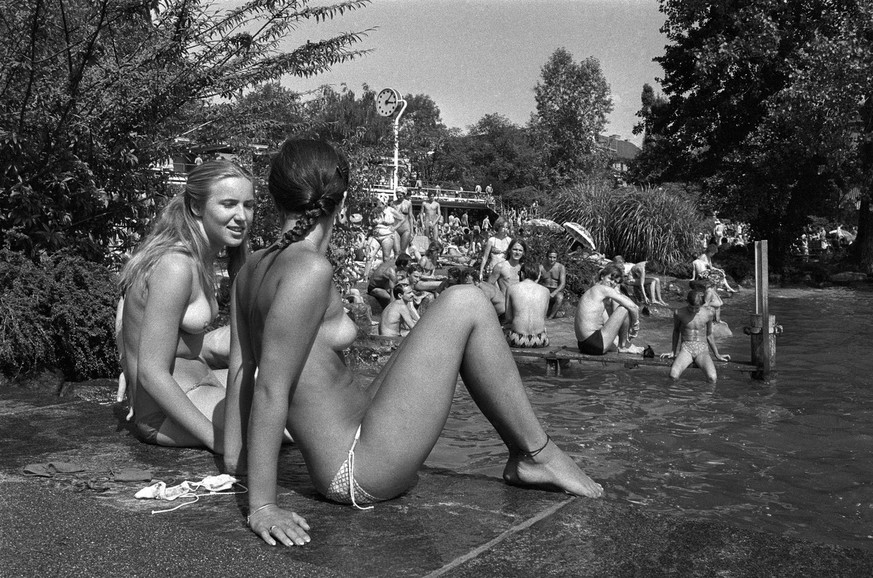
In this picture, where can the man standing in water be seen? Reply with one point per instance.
(606, 320)
(431, 217)
(554, 277)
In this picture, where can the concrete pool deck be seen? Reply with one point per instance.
(459, 522)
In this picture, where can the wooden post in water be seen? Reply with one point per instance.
(763, 346)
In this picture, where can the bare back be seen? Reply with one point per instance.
(527, 304)
(286, 303)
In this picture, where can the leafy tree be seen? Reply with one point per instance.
(651, 167)
(422, 138)
(573, 100)
(769, 106)
(93, 92)
(501, 153)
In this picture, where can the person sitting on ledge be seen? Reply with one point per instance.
(169, 360)
(635, 277)
(606, 320)
(383, 279)
(398, 318)
(689, 346)
(706, 271)
(361, 444)
(527, 304)
(506, 272)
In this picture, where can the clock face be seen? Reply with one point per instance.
(386, 102)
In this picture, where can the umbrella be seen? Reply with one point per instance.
(543, 224)
(580, 234)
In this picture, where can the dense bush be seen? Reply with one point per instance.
(57, 314)
(523, 197)
(640, 224)
(738, 261)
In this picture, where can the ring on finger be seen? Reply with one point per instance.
(271, 528)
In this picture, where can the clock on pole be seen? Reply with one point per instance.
(387, 101)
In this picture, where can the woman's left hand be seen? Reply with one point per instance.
(273, 523)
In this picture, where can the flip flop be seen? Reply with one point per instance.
(50, 469)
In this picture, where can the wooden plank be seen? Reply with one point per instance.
(629, 361)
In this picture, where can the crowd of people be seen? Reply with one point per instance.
(277, 372)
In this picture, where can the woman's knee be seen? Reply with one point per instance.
(467, 298)
(463, 295)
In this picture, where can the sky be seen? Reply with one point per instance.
(477, 57)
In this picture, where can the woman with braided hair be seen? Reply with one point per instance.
(362, 443)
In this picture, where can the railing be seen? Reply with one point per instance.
(384, 192)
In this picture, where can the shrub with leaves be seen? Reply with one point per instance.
(640, 224)
(57, 314)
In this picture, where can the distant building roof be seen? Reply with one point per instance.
(624, 150)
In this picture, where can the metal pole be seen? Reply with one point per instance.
(395, 179)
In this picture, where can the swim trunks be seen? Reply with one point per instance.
(344, 489)
(695, 348)
(526, 340)
(593, 344)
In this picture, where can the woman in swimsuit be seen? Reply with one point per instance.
(496, 247)
(403, 234)
(169, 301)
(361, 443)
(385, 219)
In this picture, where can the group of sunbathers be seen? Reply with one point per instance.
(285, 373)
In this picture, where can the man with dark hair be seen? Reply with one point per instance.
(527, 303)
(606, 320)
(397, 317)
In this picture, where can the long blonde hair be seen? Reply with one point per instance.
(177, 229)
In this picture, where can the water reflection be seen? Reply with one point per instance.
(791, 456)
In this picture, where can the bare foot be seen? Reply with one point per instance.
(632, 349)
(550, 469)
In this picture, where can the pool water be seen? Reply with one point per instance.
(792, 456)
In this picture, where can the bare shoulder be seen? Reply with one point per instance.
(306, 266)
(174, 268)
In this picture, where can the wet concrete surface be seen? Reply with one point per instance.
(452, 523)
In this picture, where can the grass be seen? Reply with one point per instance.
(640, 224)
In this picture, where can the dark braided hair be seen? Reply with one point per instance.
(307, 177)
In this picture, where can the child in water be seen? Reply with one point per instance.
(694, 347)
